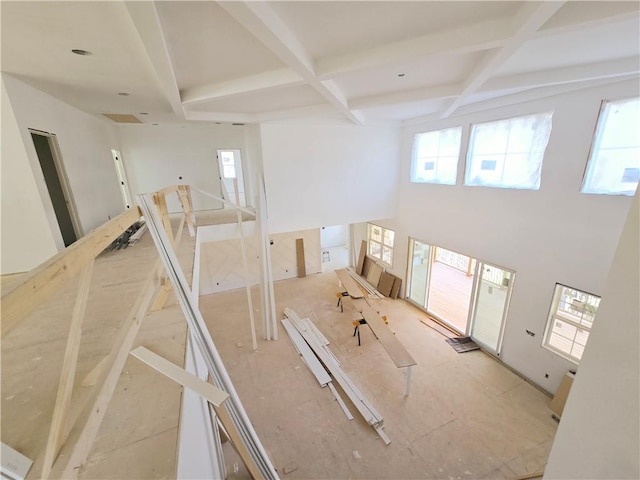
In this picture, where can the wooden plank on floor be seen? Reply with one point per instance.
(366, 266)
(306, 353)
(400, 356)
(373, 277)
(361, 257)
(302, 271)
(386, 283)
(395, 289)
(349, 283)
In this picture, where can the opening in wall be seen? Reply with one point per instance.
(55, 178)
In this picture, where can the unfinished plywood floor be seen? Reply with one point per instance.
(467, 415)
(138, 436)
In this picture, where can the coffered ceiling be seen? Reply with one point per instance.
(360, 62)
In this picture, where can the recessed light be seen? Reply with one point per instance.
(218, 123)
(154, 124)
(144, 113)
(124, 94)
(401, 74)
(79, 51)
(238, 124)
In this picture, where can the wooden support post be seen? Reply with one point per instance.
(78, 445)
(184, 195)
(68, 374)
(469, 267)
(160, 200)
(245, 266)
(165, 290)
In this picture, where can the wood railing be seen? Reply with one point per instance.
(67, 445)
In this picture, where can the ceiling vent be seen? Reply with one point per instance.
(122, 117)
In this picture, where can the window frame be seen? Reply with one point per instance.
(595, 147)
(554, 315)
(471, 144)
(382, 244)
(413, 178)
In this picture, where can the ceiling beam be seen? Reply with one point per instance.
(528, 20)
(521, 97)
(406, 96)
(468, 39)
(223, 117)
(284, 77)
(145, 19)
(262, 22)
(592, 14)
(564, 75)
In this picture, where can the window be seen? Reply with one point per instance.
(570, 321)
(381, 243)
(614, 161)
(508, 153)
(435, 156)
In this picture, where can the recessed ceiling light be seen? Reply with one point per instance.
(144, 113)
(124, 94)
(154, 124)
(218, 123)
(238, 124)
(79, 51)
(401, 74)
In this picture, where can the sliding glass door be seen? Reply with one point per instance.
(492, 294)
(468, 295)
(420, 257)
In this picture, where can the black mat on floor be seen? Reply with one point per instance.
(462, 344)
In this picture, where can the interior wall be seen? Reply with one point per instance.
(157, 156)
(328, 174)
(221, 267)
(334, 236)
(599, 435)
(85, 144)
(26, 236)
(552, 235)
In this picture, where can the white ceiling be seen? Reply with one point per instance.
(264, 61)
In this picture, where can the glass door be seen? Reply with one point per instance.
(492, 293)
(418, 275)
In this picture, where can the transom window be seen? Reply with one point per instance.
(570, 320)
(614, 160)
(381, 243)
(435, 156)
(508, 153)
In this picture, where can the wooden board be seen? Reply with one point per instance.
(386, 283)
(349, 283)
(302, 271)
(361, 257)
(373, 277)
(368, 261)
(306, 353)
(391, 344)
(42, 281)
(395, 289)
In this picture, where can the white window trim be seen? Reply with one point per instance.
(469, 153)
(553, 315)
(413, 178)
(595, 147)
(381, 244)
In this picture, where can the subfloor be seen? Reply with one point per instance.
(466, 417)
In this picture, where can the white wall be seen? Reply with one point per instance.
(334, 236)
(552, 235)
(599, 434)
(26, 236)
(157, 156)
(328, 175)
(85, 144)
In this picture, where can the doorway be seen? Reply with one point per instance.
(334, 246)
(55, 178)
(122, 178)
(469, 296)
(232, 176)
